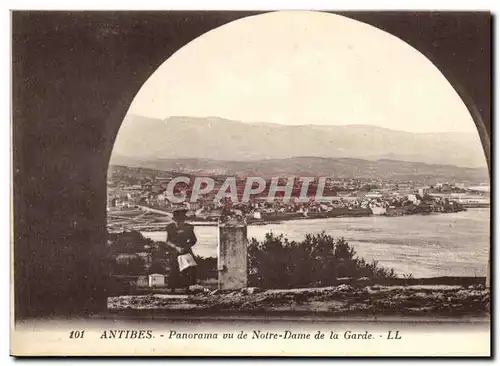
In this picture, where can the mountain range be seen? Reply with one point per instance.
(148, 139)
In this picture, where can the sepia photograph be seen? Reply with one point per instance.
(229, 183)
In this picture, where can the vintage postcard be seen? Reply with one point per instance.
(266, 183)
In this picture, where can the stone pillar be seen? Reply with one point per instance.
(232, 255)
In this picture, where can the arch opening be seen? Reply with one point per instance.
(318, 87)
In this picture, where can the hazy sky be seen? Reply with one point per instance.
(304, 68)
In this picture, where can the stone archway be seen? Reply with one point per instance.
(74, 76)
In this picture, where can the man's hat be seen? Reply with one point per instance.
(179, 212)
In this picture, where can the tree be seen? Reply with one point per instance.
(127, 242)
(133, 266)
(319, 259)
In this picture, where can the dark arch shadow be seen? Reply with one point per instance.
(447, 43)
(75, 75)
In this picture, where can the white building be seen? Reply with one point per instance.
(156, 280)
(422, 192)
(413, 198)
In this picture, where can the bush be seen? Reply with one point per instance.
(122, 258)
(276, 262)
(207, 267)
(132, 266)
(129, 242)
(318, 260)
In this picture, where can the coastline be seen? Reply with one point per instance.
(280, 218)
(396, 242)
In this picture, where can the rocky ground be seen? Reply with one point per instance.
(341, 300)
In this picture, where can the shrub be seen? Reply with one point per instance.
(122, 258)
(207, 267)
(275, 262)
(132, 266)
(318, 260)
(127, 242)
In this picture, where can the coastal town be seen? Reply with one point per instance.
(137, 200)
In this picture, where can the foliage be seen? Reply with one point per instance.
(275, 262)
(132, 266)
(369, 187)
(127, 242)
(123, 260)
(207, 267)
(318, 260)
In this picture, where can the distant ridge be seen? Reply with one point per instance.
(314, 167)
(223, 139)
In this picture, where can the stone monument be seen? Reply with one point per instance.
(232, 250)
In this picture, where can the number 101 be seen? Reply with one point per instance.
(76, 334)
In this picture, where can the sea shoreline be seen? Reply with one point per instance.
(280, 219)
(158, 218)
